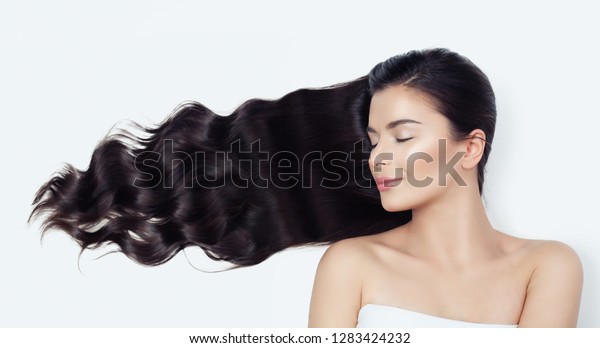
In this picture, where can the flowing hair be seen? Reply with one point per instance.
(271, 175)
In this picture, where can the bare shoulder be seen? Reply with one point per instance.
(552, 249)
(348, 252)
(540, 251)
(338, 285)
(549, 259)
(337, 288)
(557, 259)
(555, 276)
(551, 253)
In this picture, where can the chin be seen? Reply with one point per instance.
(394, 206)
(401, 201)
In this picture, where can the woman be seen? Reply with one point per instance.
(430, 111)
(294, 171)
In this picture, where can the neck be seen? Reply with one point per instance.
(453, 230)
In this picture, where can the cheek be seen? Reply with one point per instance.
(422, 165)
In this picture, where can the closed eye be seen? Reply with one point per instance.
(397, 140)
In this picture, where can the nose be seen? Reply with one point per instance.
(378, 159)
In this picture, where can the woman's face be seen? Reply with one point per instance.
(411, 140)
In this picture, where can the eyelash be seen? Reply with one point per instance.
(397, 140)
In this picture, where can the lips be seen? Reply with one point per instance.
(386, 183)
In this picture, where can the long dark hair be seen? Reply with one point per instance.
(272, 175)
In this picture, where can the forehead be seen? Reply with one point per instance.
(401, 102)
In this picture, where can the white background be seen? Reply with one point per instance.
(70, 70)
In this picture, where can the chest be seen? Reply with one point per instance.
(493, 293)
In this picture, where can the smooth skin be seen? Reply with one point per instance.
(448, 261)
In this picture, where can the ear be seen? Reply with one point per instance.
(475, 145)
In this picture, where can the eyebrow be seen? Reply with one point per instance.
(394, 124)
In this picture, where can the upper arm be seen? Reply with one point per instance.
(554, 290)
(336, 295)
